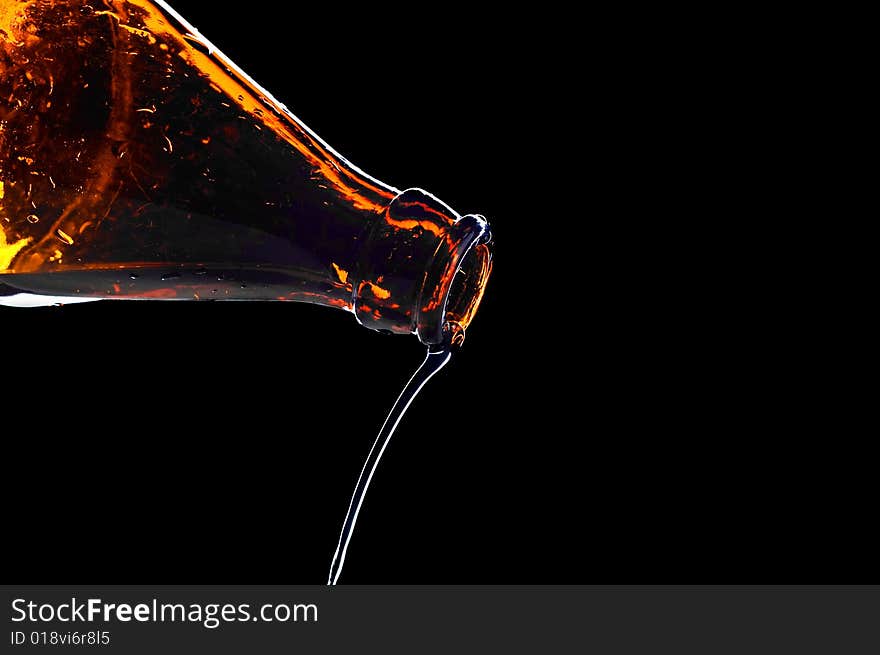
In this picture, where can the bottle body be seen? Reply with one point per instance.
(136, 161)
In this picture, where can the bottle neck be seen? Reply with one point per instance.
(423, 269)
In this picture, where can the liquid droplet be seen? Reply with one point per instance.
(64, 236)
(133, 276)
(200, 271)
(170, 276)
(33, 218)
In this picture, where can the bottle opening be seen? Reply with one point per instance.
(455, 284)
(468, 285)
(423, 269)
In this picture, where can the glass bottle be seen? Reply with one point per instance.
(138, 162)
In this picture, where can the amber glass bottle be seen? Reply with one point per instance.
(136, 161)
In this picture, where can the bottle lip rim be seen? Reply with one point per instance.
(435, 320)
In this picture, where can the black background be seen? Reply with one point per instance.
(614, 416)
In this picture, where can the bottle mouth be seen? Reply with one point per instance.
(455, 282)
(423, 270)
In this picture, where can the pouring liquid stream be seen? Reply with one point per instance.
(436, 358)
